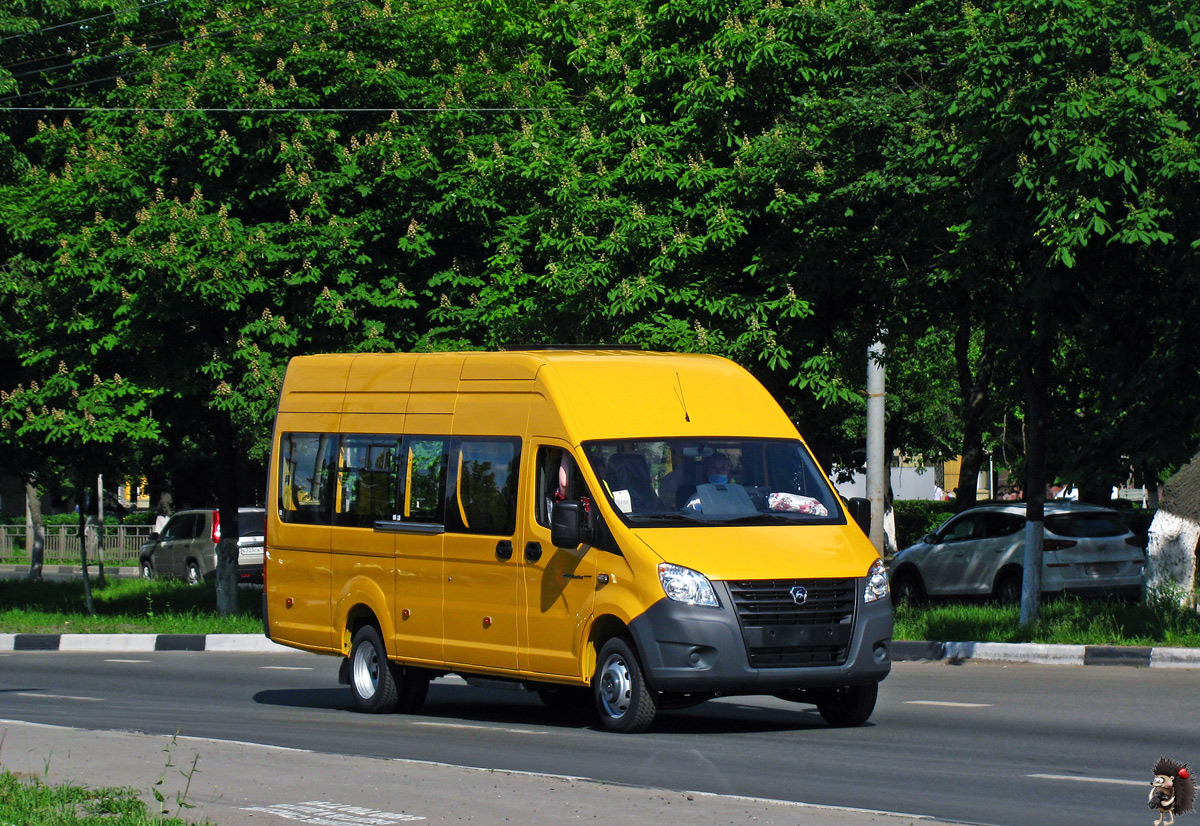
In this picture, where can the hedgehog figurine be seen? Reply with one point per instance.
(1172, 792)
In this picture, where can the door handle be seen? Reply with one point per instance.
(504, 550)
(533, 551)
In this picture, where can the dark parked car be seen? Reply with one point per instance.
(981, 552)
(187, 546)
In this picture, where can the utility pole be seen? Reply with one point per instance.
(877, 464)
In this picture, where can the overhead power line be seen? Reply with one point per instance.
(201, 60)
(235, 29)
(81, 22)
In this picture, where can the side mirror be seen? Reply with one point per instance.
(566, 525)
(153, 536)
(860, 512)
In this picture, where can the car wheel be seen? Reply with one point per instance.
(1008, 588)
(623, 700)
(371, 680)
(193, 574)
(147, 569)
(906, 587)
(848, 706)
(412, 687)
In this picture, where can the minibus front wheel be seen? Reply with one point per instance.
(371, 680)
(623, 700)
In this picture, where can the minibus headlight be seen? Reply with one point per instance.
(877, 582)
(685, 585)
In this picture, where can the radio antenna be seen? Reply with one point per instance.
(682, 400)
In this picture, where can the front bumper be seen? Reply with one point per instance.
(691, 649)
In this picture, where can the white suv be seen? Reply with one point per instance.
(981, 551)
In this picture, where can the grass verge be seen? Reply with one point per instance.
(1063, 620)
(123, 606)
(26, 800)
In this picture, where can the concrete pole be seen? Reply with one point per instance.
(877, 464)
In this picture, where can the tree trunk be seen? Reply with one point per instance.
(228, 495)
(1037, 382)
(976, 392)
(81, 498)
(35, 530)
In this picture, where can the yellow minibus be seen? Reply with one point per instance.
(615, 530)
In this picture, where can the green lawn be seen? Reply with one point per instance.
(171, 607)
(123, 606)
(25, 800)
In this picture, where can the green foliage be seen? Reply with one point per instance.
(917, 517)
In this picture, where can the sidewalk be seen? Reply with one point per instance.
(243, 784)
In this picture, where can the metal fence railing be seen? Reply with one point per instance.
(121, 544)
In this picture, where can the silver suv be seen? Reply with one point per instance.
(187, 546)
(981, 551)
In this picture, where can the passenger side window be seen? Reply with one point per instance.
(367, 480)
(423, 461)
(306, 478)
(485, 472)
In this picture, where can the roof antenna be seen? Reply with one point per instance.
(682, 400)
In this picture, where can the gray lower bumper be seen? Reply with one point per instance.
(689, 649)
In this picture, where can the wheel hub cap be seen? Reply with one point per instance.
(615, 687)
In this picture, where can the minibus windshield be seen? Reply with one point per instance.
(712, 481)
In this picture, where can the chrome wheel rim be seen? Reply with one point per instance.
(616, 687)
(365, 671)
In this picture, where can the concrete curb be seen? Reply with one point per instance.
(141, 643)
(1128, 655)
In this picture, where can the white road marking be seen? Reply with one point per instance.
(946, 703)
(481, 728)
(286, 667)
(56, 696)
(127, 661)
(321, 813)
(1116, 781)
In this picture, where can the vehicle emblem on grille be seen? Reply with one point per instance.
(799, 594)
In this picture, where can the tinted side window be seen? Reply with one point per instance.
(178, 528)
(422, 496)
(306, 463)
(1001, 524)
(366, 480)
(485, 486)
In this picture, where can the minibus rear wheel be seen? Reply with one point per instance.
(623, 700)
(371, 680)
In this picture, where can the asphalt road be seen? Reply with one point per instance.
(979, 743)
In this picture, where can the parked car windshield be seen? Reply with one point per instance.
(725, 481)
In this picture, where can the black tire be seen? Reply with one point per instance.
(147, 569)
(848, 706)
(412, 687)
(1008, 588)
(623, 700)
(193, 577)
(371, 680)
(906, 587)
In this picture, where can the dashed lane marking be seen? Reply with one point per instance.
(1116, 781)
(946, 703)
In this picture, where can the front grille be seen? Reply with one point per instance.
(781, 634)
